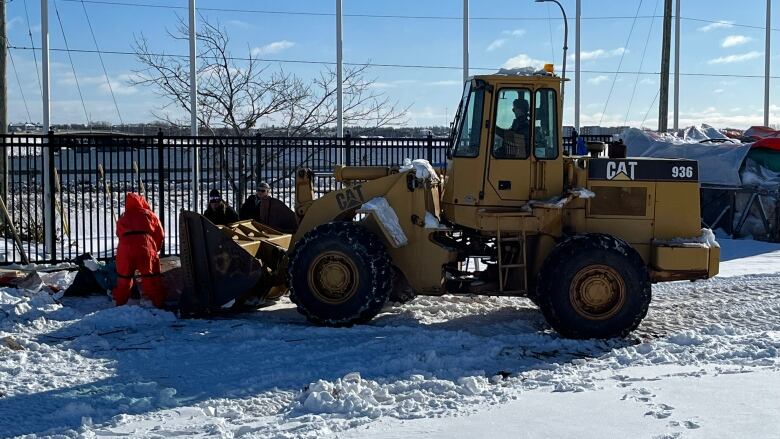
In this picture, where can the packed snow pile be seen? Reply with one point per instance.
(386, 215)
(581, 192)
(431, 222)
(562, 201)
(415, 397)
(706, 240)
(422, 168)
(79, 367)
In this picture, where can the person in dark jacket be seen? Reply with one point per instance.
(219, 212)
(140, 239)
(265, 209)
(517, 138)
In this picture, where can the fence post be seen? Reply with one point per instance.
(4, 173)
(4, 165)
(347, 148)
(239, 198)
(429, 147)
(195, 177)
(161, 182)
(49, 194)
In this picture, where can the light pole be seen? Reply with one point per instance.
(565, 40)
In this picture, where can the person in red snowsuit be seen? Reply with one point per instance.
(140, 238)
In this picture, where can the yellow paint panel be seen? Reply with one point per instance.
(677, 212)
(681, 258)
(633, 231)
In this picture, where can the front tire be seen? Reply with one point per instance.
(340, 274)
(593, 286)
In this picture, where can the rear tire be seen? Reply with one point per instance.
(340, 274)
(593, 286)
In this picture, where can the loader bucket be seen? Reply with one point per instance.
(224, 266)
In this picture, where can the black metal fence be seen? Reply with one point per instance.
(91, 174)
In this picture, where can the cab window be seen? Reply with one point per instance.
(512, 133)
(467, 143)
(545, 124)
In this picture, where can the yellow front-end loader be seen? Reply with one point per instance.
(584, 237)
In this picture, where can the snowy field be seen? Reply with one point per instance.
(704, 364)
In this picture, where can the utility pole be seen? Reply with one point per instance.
(48, 171)
(677, 65)
(663, 103)
(194, 153)
(340, 73)
(3, 79)
(767, 61)
(3, 102)
(465, 40)
(577, 68)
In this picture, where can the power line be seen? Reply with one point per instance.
(641, 62)
(650, 107)
(622, 55)
(397, 16)
(72, 65)
(21, 89)
(405, 66)
(100, 56)
(32, 43)
(726, 22)
(332, 14)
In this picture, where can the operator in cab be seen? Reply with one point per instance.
(515, 140)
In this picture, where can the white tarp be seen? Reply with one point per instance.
(719, 163)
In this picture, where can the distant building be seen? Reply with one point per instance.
(25, 127)
(568, 131)
(601, 131)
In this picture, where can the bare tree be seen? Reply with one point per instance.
(241, 94)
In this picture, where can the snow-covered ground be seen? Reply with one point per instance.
(705, 363)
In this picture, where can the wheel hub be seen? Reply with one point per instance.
(597, 292)
(333, 277)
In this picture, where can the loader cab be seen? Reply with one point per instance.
(500, 157)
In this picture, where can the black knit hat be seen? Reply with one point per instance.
(214, 195)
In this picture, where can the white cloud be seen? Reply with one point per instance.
(501, 42)
(717, 25)
(721, 118)
(239, 24)
(496, 44)
(647, 81)
(523, 60)
(275, 47)
(730, 59)
(718, 90)
(600, 53)
(382, 85)
(392, 84)
(446, 82)
(735, 40)
(598, 79)
(428, 114)
(10, 24)
(514, 33)
(120, 84)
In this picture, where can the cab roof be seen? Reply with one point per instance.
(524, 74)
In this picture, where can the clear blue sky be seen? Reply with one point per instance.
(517, 31)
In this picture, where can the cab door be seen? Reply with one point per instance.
(510, 140)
